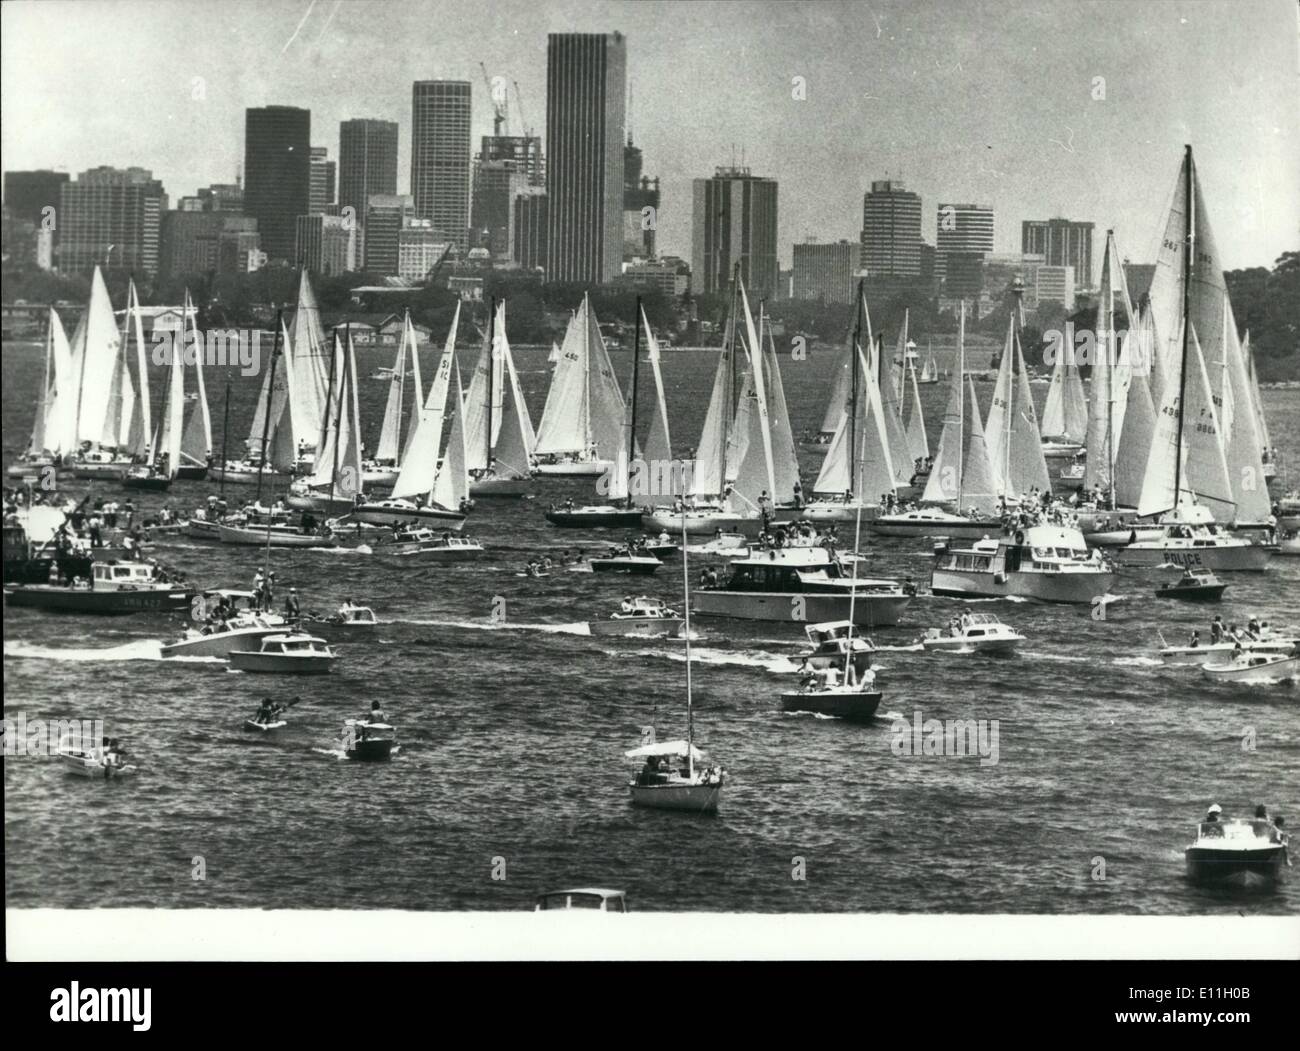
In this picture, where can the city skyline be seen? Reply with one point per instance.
(1001, 103)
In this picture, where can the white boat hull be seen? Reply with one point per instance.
(251, 536)
(283, 663)
(246, 477)
(697, 798)
(867, 610)
(1228, 558)
(958, 528)
(1274, 671)
(1075, 587)
(1221, 652)
(697, 523)
(643, 627)
(953, 644)
(575, 468)
(838, 511)
(222, 643)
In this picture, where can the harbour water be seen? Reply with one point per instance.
(513, 721)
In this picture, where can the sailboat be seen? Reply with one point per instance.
(443, 484)
(1065, 414)
(930, 370)
(1267, 452)
(918, 444)
(54, 425)
(842, 382)
(382, 470)
(553, 358)
(1011, 431)
(674, 776)
(196, 441)
(165, 449)
(582, 423)
(499, 435)
(1188, 482)
(98, 392)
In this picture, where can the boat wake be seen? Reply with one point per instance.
(143, 650)
(769, 662)
(577, 628)
(1062, 657)
(1137, 662)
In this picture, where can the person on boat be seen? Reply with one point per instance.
(1252, 628)
(1195, 640)
(292, 610)
(376, 713)
(266, 712)
(1212, 815)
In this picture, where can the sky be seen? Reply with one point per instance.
(1039, 108)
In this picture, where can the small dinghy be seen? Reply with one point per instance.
(822, 693)
(268, 716)
(292, 654)
(1237, 850)
(367, 741)
(647, 617)
(1194, 586)
(641, 565)
(973, 633)
(102, 763)
(1254, 667)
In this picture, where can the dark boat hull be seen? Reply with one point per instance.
(150, 485)
(623, 565)
(1235, 866)
(1201, 593)
(192, 474)
(595, 520)
(371, 751)
(108, 603)
(851, 707)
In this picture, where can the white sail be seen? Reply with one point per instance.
(785, 456)
(1243, 443)
(168, 445)
(141, 430)
(413, 343)
(1257, 400)
(944, 483)
(121, 397)
(842, 372)
(512, 454)
(554, 355)
(420, 464)
(565, 427)
(898, 446)
(658, 446)
(452, 484)
(390, 431)
(607, 405)
(1065, 415)
(349, 480)
(1105, 416)
(997, 427)
(95, 351)
(756, 474)
(284, 438)
(36, 443)
(711, 454)
(483, 399)
(1134, 442)
(918, 445)
(310, 367)
(1024, 467)
(333, 441)
(978, 489)
(858, 458)
(197, 444)
(61, 413)
(930, 370)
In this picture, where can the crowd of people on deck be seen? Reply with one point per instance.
(1256, 630)
(1276, 824)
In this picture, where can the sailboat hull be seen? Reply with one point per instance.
(838, 511)
(154, 483)
(600, 517)
(191, 473)
(261, 537)
(433, 517)
(238, 476)
(102, 471)
(699, 799)
(698, 523)
(575, 468)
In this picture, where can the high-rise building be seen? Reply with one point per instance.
(640, 206)
(421, 246)
(111, 217)
(440, 155)
(496, 185)
(586, 88)
(367, 162)
(28, 194)
(386, 215)
(530, 229)
(1055, 283)
(322, 181)
(324, 244)
(963, 236)
(191, 239)
(891, 231)
(222, 197)
(239, 251)
(734, 221)
(1063, 243)
(524, 150)
(823, 273)
(277, 174)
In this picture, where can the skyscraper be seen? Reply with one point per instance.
(367, 162)
(111, 217)
(824, 272)
(440, 155)
(640, 192)
(496, 185)
(963, 236)
(1062, 243)
(586, 85)
(28, 194)
(891, 231)
(277, 174)
(322, 181)
(386, 215)
(734, 220)
(524, 150)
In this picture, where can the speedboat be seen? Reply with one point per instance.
(640, 565)
(1191, 539)
(243, 628)
(1194, 586)
(593, 516)
(685, 785)
(114, 588)
(346, 620)
(430, 546)
(1254, 667)
(639, 616)
(933, 521)
(289, 653)
(586, 899)
(1237, 850)
(833, 641)
(824, 693)
(974, 633)
(367, 741)
(91, 762)
(1267, 642)
(1050, 563)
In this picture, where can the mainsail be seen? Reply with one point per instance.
(918, 445)
(420, 464)
(196, 445)
(1109, 377)
(978, 489)
(389, 448)
(658, 446)
(1065, 415)
(944, 483)
(1015, 447)
(95, 349)
(451, 487)
(141, 429)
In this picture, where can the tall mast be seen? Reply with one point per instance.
(853, 393)
(492, 369)
(686, 590)
(266, 419)
(225, 429)
(401, 386)
(1189, 243)
(636, 361)
(961, 408)
(338, 422)
(1111, 363)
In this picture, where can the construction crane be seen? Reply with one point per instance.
(434, 270)
(519, 102)
(499, 113)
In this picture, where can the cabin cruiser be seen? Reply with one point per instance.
(429, 545)
(973, 633)
(347, 620)
(1050, 563)
(235, 624)
(291, 653)
(1253, 667)
(584, 899)
(114, 588)
(933, 521)
(622, 561)
(639, 616)
(1237, 850)
(1266, 641)
(800, 583)
(686, 784)
(832, 643)
(397, 511)
(823, 692)
(102, 763)
(1193, 587)
(367, 740)
(593, 516)
(1191, 538)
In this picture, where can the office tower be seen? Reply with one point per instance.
(496, 185)
(111, 217)
(530, 229)
(324, 244)
(1055, 283)
(191, 238)
(734, 220)
(440, 155)
(322, 181)
(277, 174)
(824, 272)
(421, 246)
(525, 151)
(239, 251)
(586, 85)
(28, 194)
(891, 231)
(222, 197)
(367, 162)
(1063, 243)
(963, 236)
(386, 215)
(640, 206)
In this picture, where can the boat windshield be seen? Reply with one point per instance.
(1240, 829)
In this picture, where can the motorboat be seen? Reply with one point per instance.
(585, 899)
(114, 588)
(801, 584)
(147, 478)
(346, 620)
(1253, 667)
(593, 516)
(973, 633)
(639, 616)
(1267, 642)
(825, 693)
(430, 546)
(933, 521)
(368, 741)
(238, 625)
(1193, 586)
(674, 777)
(833, 641)
(723, 543)
(1237, 850)
(100, 763)
(289, 653)
(1192, 539)
(639, 565)
(1049, 563)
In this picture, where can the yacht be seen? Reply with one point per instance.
(1190, 538)
(932, 521)
(1050, 563)
(293, 653)
(115, 588)
(973, 633)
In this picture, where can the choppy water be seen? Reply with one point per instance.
(512, 735)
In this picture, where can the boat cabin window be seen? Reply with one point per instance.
(578, 901)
